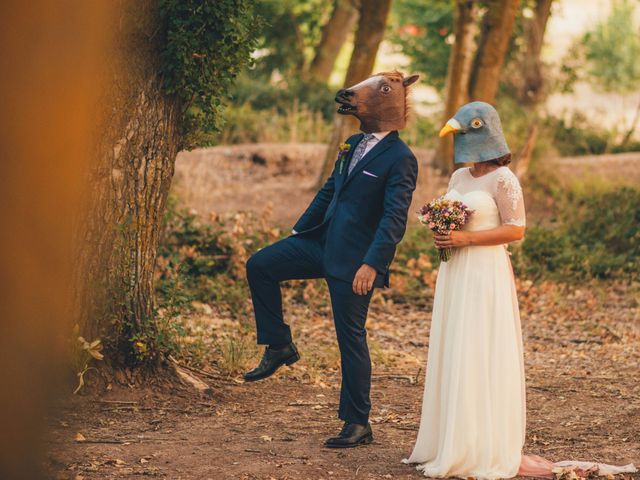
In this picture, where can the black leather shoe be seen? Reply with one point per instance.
(271, 361)
(352, 435)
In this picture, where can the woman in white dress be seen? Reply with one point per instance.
(473, 412)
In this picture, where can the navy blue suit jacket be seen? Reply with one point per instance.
(365, 213)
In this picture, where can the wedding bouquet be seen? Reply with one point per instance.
(443, 215)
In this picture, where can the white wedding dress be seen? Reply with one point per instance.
(473, 411)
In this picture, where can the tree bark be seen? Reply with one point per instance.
(496, 30)
(371, 26)
(532, 89)
(130, 180)
(334, 34)
(459, 71)
(523, 159)
(632, 128)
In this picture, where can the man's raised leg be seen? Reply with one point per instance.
(293, 258)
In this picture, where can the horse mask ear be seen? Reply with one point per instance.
(410, 80)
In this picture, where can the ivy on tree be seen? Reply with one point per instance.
(205, 45)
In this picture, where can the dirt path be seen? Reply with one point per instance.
(582, 354)
(229, 178)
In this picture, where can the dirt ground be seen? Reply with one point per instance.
(248, 177)
(582, 354)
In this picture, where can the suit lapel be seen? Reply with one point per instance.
(345, 169)
(377, 150)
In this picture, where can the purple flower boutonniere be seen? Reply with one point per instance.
(343, 150)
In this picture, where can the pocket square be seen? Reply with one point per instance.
(370, 174)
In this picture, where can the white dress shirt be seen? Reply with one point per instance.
(377, 136)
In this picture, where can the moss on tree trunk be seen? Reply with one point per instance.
(138, 141)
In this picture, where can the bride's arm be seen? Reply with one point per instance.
(496, 236)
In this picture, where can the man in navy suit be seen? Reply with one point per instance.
(348, 236)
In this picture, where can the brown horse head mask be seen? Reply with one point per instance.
(379, 102)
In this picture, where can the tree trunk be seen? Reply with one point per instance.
(130, 180)
(632, 128)
(523, 159)
(532, 89)
(459, 71)
(334, 34)
(496, 30)
(371, 27)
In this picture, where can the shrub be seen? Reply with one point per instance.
(261, 95)
(632, 146)
(578, 136)
(596, 235)
(593, 234)
(205, 261)
(246, 125)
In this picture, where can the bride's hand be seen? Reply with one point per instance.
(454, 239)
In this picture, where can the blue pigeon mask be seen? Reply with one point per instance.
(478, 134)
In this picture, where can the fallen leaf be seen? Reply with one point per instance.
(80, 437)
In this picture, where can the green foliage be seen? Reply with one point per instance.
(205, 261)
(261, 95)
(243, 124)
(626, 147)
(596, 235)
(295, 111)
(592, 233)
(421, 131)
(205, 44)
(421, 29)
(612, 50)
(578, 135)
(416, 242)
(292, 28)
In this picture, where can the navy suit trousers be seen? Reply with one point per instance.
(301, 257)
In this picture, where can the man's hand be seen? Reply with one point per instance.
(363, 281)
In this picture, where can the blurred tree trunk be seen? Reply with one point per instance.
(459, 71)
(51, 57)
(523, 158)
(130, 179)
(334, 34)
(632, 128)
(532, 89)
(371, 26)
(496, 30)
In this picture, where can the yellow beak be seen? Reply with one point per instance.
(452, 126)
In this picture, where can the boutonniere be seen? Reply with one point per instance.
(343, 150)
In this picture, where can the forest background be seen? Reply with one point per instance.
(196, 132)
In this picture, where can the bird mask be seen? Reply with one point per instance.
(478, 134)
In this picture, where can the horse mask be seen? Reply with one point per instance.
(379, 102)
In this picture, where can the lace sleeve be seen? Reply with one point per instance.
(509, 199)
